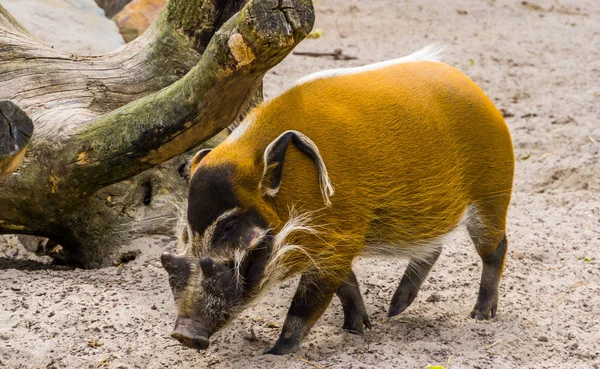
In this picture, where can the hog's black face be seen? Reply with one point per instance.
(225, 250)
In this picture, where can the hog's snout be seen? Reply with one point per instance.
(191, 333)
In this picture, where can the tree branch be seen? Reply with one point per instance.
(160, 126)
(51, 85)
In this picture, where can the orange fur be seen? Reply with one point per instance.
(408, 147)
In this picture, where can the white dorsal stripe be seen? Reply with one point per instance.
(432, 52)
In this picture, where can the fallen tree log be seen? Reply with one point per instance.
(100, 120)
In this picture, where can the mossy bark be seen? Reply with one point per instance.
(101, 120)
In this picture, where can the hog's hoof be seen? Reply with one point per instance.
(401, 301)
(285, 345)
(283, 348)
(480, 313)
(355, 323)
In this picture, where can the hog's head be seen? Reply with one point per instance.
(226, 241)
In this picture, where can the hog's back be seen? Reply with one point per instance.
(408, 148)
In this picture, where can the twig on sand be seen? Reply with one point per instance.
(106, 361)
(494, 344)
(102, 362)
(448, 362)
(337, 54)
(308, 362)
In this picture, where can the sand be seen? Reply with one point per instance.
(540, 64)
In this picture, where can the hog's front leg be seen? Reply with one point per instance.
(355, 314)
(310, 301)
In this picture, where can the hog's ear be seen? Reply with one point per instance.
(274, 158)
(197, 159)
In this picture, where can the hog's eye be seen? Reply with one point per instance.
(226, 228)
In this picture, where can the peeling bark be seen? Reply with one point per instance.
(100, 120)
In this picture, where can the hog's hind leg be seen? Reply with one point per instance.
(355, 314)
(488, 235)
(312, 297)
(411, 282)
(493, 265)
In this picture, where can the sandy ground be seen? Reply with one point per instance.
(541, 65)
